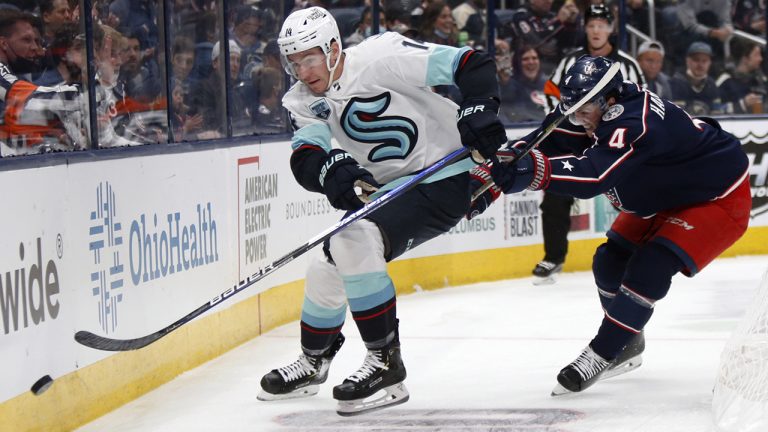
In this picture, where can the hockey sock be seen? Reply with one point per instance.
(374, 307)
(315, 341)
(615, 333)
(608, 265)
(647, 279)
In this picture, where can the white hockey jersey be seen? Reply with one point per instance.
(382, 110)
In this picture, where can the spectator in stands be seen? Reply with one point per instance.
(705, 20)
(364, 28)
(54, 120)
(437, 24)
(749, 16)
(696, 91)
(182, 59)
(270, 115)
(54, 13)
(205, 99)
(61, 70)
(465, 10)
(246, 25)
(556, 209)
(398, 19)
(743, 87)
(271, 55)
(504, 75)
(183, 124)
(650, 57)
(528, 100)
(108, 54)
(139, 111)
(638, 15)
(136, 17)
(140, 77)
(552, 35)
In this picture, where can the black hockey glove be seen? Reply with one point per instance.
(340, 175)
(529, 172)
(479, 176)
(480, 127)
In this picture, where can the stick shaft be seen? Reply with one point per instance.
(108, 344)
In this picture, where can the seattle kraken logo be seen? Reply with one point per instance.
(362, 121)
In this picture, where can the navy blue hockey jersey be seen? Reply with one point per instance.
(646, 155)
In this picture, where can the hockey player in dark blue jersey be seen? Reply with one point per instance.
(681, 184)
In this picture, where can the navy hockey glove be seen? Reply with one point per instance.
(339, 177)
(480, 127)
(529, 172)
(479, 176)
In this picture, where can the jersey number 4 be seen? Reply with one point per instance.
(618, 139)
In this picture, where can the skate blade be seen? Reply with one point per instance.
(559, 390)
(627, 366)
(549, 280)
(394, 395)
(307, 391)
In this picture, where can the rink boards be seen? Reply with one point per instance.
(126, 246)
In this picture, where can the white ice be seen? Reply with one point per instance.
(482, 357)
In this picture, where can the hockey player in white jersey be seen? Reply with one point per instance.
(375, 100)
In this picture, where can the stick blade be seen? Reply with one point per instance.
(92, 340)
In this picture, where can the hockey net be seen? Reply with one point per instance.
(740, 401)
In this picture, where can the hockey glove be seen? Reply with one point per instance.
(529, 172)
(339, 177)
(480, 127)
(479, 176)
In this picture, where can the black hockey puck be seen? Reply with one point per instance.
(41, 385)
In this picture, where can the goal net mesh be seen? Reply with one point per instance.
(740, 401)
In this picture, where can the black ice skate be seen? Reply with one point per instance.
(629, 359)
(545, 271)
(301, 378)
(581, 373)
(382, 370)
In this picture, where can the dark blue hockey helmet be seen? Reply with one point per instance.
(582, 77)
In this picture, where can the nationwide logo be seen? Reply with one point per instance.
(755, 148)
(106, 237)
(29, 287)
(157, 246)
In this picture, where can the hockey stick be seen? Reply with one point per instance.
(612, 71)
(108, 344)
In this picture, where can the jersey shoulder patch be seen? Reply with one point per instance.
(613, 112)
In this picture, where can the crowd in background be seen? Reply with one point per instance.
(155, 84)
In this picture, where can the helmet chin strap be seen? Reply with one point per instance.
(332, 70)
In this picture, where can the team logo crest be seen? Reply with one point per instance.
(613, 112)
(320, 109)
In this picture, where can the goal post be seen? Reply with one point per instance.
(740, 399)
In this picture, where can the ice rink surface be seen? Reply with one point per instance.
(482, 357)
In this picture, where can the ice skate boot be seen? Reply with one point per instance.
(629, 359)
(545, 271)
(581, 373)
(382, 371)
(301, 378)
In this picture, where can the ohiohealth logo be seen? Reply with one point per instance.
(105, 240)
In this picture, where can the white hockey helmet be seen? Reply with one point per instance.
(306, 29)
